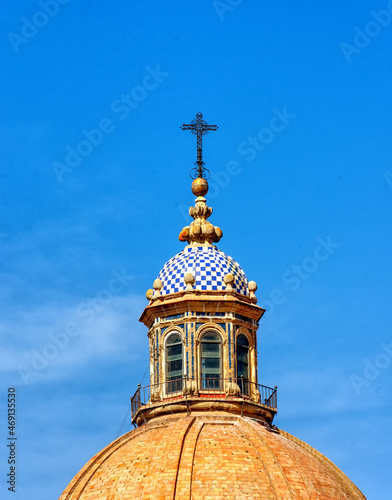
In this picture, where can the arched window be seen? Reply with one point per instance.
(243, 364)
(174, 363)
(211, 361)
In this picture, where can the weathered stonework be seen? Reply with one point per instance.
(191, 314)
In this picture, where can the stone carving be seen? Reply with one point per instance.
(155, 394)
(190, 388)
(232, 389)
(189, 280)
(157, 285)
(200, 231)
(229, 281)
(252, 289)
(256, 395)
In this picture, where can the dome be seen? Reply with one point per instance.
(208, 264)
(209, 455)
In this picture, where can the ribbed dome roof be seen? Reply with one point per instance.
(209, 265)
(209, 455)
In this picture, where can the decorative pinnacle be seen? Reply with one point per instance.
(200, 231)
(199, 127)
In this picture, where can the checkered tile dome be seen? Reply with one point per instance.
(208, 266)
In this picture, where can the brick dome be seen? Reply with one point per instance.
(209, 455)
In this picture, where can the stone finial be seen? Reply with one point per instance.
(252, 285)
(189, 280)
(229, 281)
(200, 231)
(149, 294)
(157, 285)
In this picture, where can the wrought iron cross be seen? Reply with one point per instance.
(199, 127)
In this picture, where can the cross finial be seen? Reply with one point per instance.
(199, 127)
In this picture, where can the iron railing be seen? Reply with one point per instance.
(184, 388)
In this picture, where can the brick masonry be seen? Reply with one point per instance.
(205, 456)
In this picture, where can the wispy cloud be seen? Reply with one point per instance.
(35, 348)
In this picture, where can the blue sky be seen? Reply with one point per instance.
(94, 187)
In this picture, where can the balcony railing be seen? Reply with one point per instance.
(184, 388)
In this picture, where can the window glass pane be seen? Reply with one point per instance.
(175, 350)
(211, 361)
(244, 386)
(243, 364)
(174, 363)
(174, 386)
(242, 354)
(210, 349)
(242, 370)
(211, 381)
(173, 339)
(211, 336)
(212, 376)
(211, 365)
(242, 340)
(174, 366)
